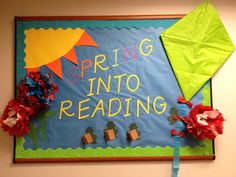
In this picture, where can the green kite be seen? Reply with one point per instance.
(197, 46)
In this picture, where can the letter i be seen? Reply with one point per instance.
(116, 58)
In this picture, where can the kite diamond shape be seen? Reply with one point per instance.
(197, 46)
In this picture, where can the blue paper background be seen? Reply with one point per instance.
(156, 79)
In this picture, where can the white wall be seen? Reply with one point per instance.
(224, 88)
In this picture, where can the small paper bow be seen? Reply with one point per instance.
(183, 101)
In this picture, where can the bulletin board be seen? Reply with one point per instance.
(117, 93)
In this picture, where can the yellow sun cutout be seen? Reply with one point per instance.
(47, 46)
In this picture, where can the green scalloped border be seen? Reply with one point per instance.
(110, 152)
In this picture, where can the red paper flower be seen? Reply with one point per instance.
(36, 91)
(15, 118)
(204, 122)
(31, 102)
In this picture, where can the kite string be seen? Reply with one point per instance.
(178, 133)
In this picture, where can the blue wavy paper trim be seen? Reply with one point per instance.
(21, 26)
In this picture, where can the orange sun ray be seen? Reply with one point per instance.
(56, 67)
(71, 55)
(86, 40)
